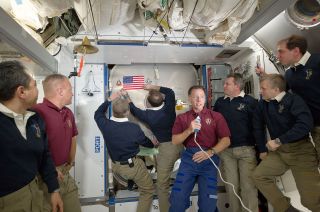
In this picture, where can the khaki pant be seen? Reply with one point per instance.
(238, 165)
(68, 192)
(316, 139)
(140, 175)
(27, 199)
(300, 157)
(168, 155)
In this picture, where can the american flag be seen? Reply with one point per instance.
(133, 82)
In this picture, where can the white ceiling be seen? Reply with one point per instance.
(280, 27)
(125, 54)
(163, 52)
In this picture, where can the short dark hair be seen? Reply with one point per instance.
(296, 41)
(194, 87)
(155, 98)
(120, 107)
(238, 80)
(276, 81)
(12, 75)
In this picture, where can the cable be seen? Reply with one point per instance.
(94, 23)
(189, 21)
(154, 31)
(223, 180)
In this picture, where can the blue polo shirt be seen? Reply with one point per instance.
(22, 159)
(289, 119)
(121, 137)
(161, 119)
(304, 80)
(238, 113)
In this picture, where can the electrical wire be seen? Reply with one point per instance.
(223, 180)
(189, 22)
(94, 23)
(154, 31)
(65, 25)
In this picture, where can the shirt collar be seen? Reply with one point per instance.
(303, 59)
(119, 119)
(6, 111)
(203, 111)
(156, 108)
(280, 96)
(51, 105)
(19, 119)
(241, 94)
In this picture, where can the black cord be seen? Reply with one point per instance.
(94, 23)
(60, 47)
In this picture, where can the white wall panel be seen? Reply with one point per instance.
(89, 169)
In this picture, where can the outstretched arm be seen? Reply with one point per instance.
(125, 95)
(260, 71)
(149, 87)
(99, 115)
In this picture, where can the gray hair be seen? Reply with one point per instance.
(238, 80)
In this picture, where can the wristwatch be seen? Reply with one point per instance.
(71, 163)
(277, 141)
(213, 151)
(56, 191)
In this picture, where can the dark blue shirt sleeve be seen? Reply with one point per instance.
(169, 105)
(170, 100)
(216, 105)
(101, 120)
(100, 114)
(253, 103)
(143, 140)
(303, 121)
(137, 112)
(259, 129)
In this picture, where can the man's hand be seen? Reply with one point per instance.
(60, 175)
(195, 125)
(125, 95)
(263, 155)
(272, 145)
(200, 156)
(149, 87)
(114, 96)
(56, 202)
(68, 166)
(155, 141)
(260, 71)
(123, 92)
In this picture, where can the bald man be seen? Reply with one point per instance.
(62, 131)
